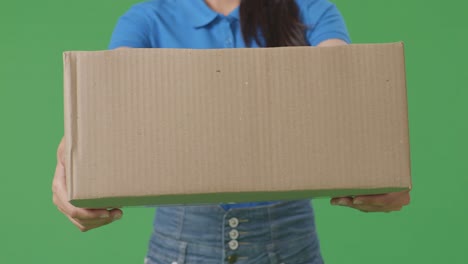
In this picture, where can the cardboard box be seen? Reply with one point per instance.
(179, 126)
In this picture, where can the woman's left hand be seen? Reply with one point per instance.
(375, 203)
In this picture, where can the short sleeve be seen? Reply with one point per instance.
(132, 29)
(323, 20)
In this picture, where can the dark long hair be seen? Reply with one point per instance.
(277, 21)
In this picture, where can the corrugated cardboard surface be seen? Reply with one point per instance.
(176, 126)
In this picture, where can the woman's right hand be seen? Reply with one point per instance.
(84, 219)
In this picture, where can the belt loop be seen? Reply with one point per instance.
(181, 223)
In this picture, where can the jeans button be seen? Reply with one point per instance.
(232, 259)
(233, 244)
(233, 222)
(234, 234)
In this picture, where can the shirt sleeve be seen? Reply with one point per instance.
(132, 29)
(323, 20)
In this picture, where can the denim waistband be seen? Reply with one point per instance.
(262, 224)
(283, 232)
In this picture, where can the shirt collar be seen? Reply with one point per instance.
(200, 14)
(235, 14)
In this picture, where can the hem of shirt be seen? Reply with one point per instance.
(116, 45)
(330, 35)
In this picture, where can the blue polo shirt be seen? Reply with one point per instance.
(192, 24)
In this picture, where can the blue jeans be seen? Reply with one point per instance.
(278, 233)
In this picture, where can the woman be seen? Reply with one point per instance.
(266, 232)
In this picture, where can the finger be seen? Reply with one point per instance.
(375, 209)
(77, 224)
(61, 199)
(61, 152)
(90, 227)
(114, 215)
(375, 200)
(94, 223)
(85, 228)
(400, 198)
(83, 223)
(86, 225)
(343, 201)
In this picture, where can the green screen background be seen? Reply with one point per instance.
(433, 229)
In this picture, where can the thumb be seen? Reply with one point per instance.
(61, 152)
